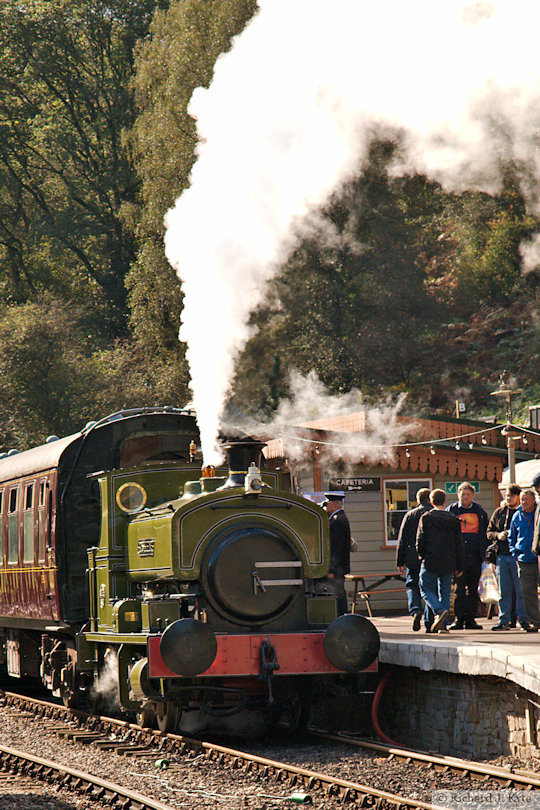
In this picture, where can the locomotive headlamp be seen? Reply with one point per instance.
(253, 482)
(208, 472)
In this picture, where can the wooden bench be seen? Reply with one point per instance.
(365, 592)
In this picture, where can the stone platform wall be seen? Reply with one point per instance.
(474, 717)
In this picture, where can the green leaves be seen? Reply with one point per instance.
(65, 171)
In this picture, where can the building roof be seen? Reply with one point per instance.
(461, 448)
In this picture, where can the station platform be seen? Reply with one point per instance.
(513, 654)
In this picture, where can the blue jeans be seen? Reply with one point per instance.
(414, 598)
(507, 575)
(435, 589)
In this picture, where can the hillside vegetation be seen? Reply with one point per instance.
(395, 286)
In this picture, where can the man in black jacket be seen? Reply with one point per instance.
(439, 548)
(340, 548)
(507, 571)
(407, 559)
(474, 521)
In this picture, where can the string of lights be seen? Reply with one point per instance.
(456, 440)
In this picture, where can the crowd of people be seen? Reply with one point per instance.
(438, 545)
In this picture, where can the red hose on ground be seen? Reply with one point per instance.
(375, 709)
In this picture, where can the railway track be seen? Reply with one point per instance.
(129, 740)
(108, 794)
(506, 777)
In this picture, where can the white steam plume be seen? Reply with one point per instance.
(288, 115)
(106, 688)
(309, 401)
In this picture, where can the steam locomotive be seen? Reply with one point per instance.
(200, 589)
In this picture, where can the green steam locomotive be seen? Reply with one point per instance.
(197, 589)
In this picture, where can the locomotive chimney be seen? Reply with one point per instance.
(240, 455)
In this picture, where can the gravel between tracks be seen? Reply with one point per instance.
(195, 783)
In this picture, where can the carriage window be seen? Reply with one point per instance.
(28, 524)
(42, 522)
(13, 527)
(399, 497)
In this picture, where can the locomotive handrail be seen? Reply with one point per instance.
(113, 417)
(279, 564)
(254, 504)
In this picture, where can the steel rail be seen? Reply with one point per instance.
(507, 776)
(94, 787)
(348, 791)
(345, 790)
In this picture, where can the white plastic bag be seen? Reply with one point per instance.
(488, 587)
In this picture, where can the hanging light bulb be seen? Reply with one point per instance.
(471, 445)
(408, 453)
(484, 440)
(524, 439)
(458, 446)
(432, 450)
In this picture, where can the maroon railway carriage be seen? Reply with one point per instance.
(50, 515)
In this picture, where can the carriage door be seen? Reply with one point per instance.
(46, 571)
(13, 529)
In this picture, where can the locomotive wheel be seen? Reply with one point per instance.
(167, 717)
(69, 689)
(146, 717)
(295, 715)
(70, 698)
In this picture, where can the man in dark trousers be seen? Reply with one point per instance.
(536, 533)
(407, 560)
(520, 540)
(439, 548)
(340, 547)
(507, 571)
(474, 521)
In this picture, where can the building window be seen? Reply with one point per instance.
(399, 497)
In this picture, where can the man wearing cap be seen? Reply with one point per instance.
(340, 547)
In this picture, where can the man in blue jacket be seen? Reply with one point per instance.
(474, 522)
(520, 539)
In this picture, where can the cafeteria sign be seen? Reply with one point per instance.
(367, 484)
(451, 487)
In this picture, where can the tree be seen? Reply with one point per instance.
(66, 172)
(179, 56)
(351, 301)
(53, 379)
